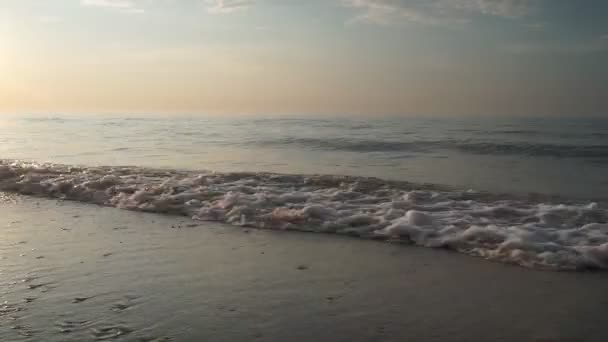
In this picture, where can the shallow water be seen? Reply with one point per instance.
(77, 272)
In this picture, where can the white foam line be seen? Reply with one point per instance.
(547, 236)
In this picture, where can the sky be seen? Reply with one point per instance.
(300, 57)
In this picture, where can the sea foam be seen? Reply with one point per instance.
(526, 232)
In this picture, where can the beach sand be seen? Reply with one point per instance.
(75, 272)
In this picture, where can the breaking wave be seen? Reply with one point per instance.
(475, 147)
(534, 149)
(531, 233)
(349, 145)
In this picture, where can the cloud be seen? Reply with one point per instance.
(385, 12)
(120, 5)
(227, 6)
(372, 11)
(501, 8)
(436, 11)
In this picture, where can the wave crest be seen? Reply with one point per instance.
(468, 146)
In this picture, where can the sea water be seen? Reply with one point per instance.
(524, 191)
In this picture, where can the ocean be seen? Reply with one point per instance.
(532, 192)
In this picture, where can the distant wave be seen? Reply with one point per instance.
(533, 149)
(56, 119)
(350, 145)
(531, 233)
(512, 132)
(489, 148)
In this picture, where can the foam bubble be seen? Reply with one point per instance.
(540, 235)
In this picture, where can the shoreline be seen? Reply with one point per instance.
(528, 233)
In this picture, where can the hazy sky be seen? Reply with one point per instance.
(416, 57)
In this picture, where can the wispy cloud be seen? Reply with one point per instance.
(436, 11)
(227, 6)
(501, 8)
(391, 11)
(120, 5)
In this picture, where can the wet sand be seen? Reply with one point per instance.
(74, 272)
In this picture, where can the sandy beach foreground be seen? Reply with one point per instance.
(74, 272)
